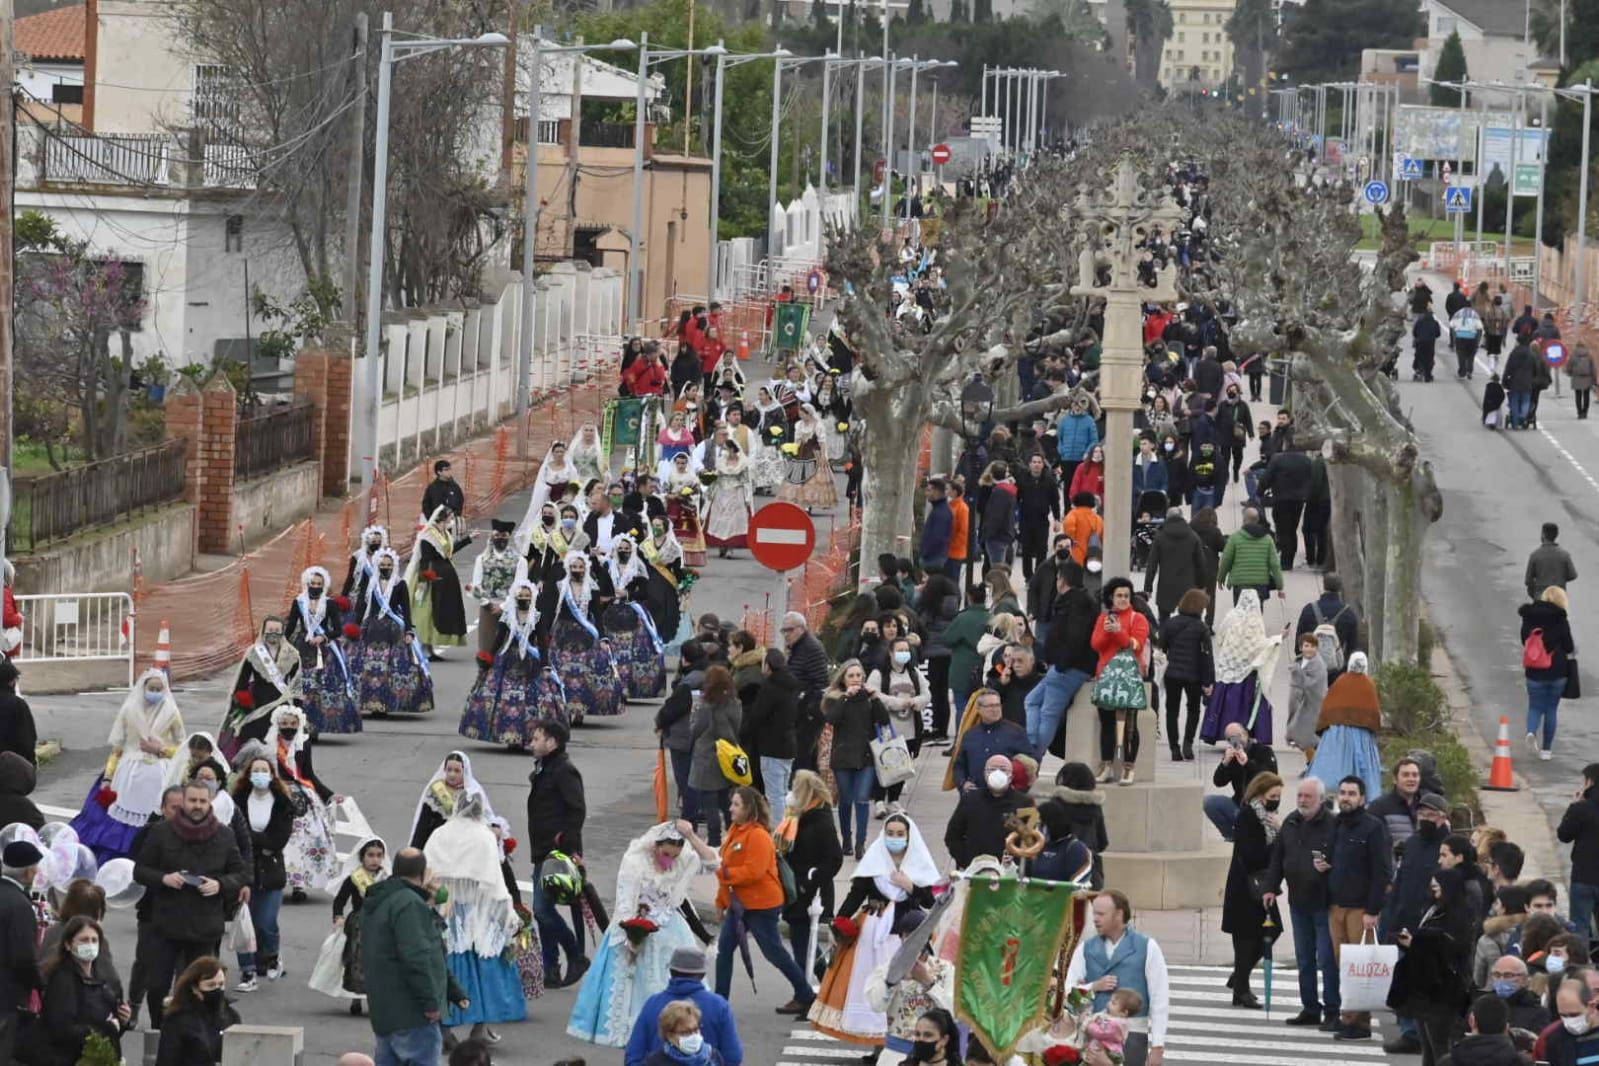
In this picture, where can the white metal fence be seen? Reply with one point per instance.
(77, 627)
(123, 159)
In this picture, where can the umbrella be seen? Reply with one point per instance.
(735, 914)
(1269, 930)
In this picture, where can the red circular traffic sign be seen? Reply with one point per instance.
(941, 154)
(782, 536)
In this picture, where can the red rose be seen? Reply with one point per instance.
(1062, 1055)
(485, 658)
(342, 602)
(509, 845)
(430, 575)
(846, 927)
(105, 798)
(638, 930)
(352, 630)
(244, 699)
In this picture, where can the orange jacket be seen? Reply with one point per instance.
(1134, 631)
(1082, 523)
(749, 868)
(960, 533)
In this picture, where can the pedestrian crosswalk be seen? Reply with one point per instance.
(1204, 1028)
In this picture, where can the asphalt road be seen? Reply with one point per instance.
(1499, 488)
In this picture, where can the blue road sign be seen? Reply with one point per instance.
(1410, 169)
(1457, 199)
(1376, 192)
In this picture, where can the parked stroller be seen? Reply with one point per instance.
(1148, 517)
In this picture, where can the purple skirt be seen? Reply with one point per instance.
(102, 834)
(1233, 701)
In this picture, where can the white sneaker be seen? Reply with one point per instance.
(1546, 755)
(275, 972)
(249, 984)
(879, 810)
(1532, 742)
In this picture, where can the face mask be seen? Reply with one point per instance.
(901, 658)
(665, 862)
(154, 696)
(896, 844)
(1505, 989)
(500, 543)
(1169, 446)
(274, 639)
(1095, 566)
(1577, 1025)
(87, 952)
(261, 779)
(788, 798)
(1554, 964)
(386, 572)
(1431, 832)
(998, 780)
(288, 734)
(691, 1043)
(214, 786)
(1272, 805)
(549, 520)
(523, 605)
(869, 638)
(568, 523)
(577, 576)
(616, 500)
(923, 1050)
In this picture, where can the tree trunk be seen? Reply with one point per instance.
(889, 449)
(1402, 593)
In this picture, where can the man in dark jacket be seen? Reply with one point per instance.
(17, 778)
(1177, 559)
(1519, 377)
(443, 491)
(1286, 486)
(1411, 894)
(1242, 760)
(937, 526)
(1397, 807)
(770, 724)
(1579, 827)
(1235, 426)
(193, 868)
(999, 520)
(1208, 375)
(406, 979)
(1549, 564)
(1487, 1041)
(1071, 656)
(555, 813)
(807, 661)
(1330, 608)
(1360, 863)
(1306, 833)
(19, 963)
(17, 731)
(1318, 514)
(1038, 501)
(1508, 979)
(991, 735)
(977, 827)
(1041, 591)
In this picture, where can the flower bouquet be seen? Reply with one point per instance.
(244, 699)
(791, 449)
(485, 659)
(638, 930)
(775, 431)
(707, 477)
(342, 602)
(352, 631)
(1062, 1055)
(105, 797)
(430, 575)
(846, 929)
(689, 579)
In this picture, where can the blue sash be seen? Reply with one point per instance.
(579, 614)
(388, 611)
(649, 624)
(313, 628)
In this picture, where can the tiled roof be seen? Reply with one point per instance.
(1497, 18)
(53, 35)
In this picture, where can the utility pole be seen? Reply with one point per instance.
(8, 156)
(355, 174)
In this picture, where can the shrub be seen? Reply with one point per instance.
(1412, 703)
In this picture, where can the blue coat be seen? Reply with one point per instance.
(936, 531)
(1074, 435)
(716, 1022)
(1151, 478)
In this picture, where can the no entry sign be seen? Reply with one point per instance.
(782, 536)
(941, 154)
(1555, 353)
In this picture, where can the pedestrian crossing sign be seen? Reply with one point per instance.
(1409, 168)
(1457, 199)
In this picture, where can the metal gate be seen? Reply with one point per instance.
(77, 627)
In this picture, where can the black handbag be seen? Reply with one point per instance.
(1573, 680)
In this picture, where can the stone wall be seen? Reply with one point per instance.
(264, 506)
(102, 561)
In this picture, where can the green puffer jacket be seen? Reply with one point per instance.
(1250, 560)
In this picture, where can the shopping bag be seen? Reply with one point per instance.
(327, 976)
(1365, 970)
(241, 933)
(1120, 686)
(891, 758)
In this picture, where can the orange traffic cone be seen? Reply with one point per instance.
(163, 649)
(744, 346)
(1500, 777)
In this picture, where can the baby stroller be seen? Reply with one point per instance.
(1148, 517)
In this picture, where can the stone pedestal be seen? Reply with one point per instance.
(1160, 853)
(263, 1045)
(1082, 735)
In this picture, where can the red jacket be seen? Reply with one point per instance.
(1134, 633)
(1155, 325)
(711, 345)
(646, 377)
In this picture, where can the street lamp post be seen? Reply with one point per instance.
(393, 51)
(1579, 295)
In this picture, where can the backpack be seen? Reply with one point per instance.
(1328, 646)
(1535, 654)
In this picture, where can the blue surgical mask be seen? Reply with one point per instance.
(901, 658)
(896, 844)
(568, 523)
(1554, 964)
(1505, 989)
(155, 696)
(260, 779)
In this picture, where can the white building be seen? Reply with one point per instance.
(1492, 33)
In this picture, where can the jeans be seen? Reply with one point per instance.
(422, 1046)
(1046, 706)
(1584, 902)
(264, 908)
(854, 793)
(1543, 707)
(998, 551)
(1206, 497)
(761, 925)
(1313, 950)
(1520, 407)
(1223, 814)
(774, 774)
(555, 935)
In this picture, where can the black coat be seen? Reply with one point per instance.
(1068, 644)
(815, 858)
(1430, 982)
(1411, 894)
(182, 913)
(1292, 859)
(1521, 371)
(1215, 542)
(1070, 812)
(855, 720)
(1579, 827)
(17, 778)
(192, 1036)
(1287, 478)
(1177, 559)
(74, 1007)
(978, 825)
(999, 514)
(1481, 1049)
(17, 731)
(1556, 628)
(449, 608)
(19, 963)
(771, 718)
(266, 846)
(1242, 912)
(1362, 861)
(555, 807)
(1189, 655)
(443, 493)
(1259, 759)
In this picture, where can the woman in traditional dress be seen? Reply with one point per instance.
(833, 409)
(809, 478)
(770, 425)
(647, 925)
(452, 782)
(268, 678)
(579, 653)
(546, 543)
(1351, 718)
(896, 875)
(513, 689)
(636, 641)
(363, 562)
(146, 733)
(480, 919)
(391, 672)
(315, 624)
(1245, 659)
(367, 865)
(310, 860)
(556, 473)
(732, 501)
(198, 749)
(661, 596)
(438, 613)
(685, 496)
(675, 438)
(586, 454)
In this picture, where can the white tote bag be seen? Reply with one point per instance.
(327, 976)
(891, 758)
(1365, 971)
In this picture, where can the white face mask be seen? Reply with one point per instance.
(998, 780)
(691, 1043)
(87, 952)
(1576, 1024)
(1095, 566)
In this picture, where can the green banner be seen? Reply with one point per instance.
(623, 421)
(789, 326)
(1011, 935)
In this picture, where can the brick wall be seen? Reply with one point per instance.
(214, 484)
(326, 379)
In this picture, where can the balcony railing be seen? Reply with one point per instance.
(606, 135)
(229, 166)
(127, 159)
